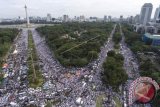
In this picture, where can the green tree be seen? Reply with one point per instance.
(111, 53)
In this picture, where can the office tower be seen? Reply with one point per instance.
(65, 18)
(105, 18)
(145, 14)
(136, 19)
(121, 18)
(109, 18)
(130, 20)
(49, 18)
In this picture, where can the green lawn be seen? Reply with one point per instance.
(34, 74)
(99, 100)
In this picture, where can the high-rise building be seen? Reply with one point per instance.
(105, 18)
(130, 19)
(136, 19)
(65, 18)
(82, 18)
(157, 14)
(49, 17)
(145, 14)
(75, 18)
(121, 18)
(109, 18)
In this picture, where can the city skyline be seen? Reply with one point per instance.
(73, 8)
(79, 53)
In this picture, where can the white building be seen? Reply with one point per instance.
(145, 14)
(82, 18)
(58, 20)
(49, 18)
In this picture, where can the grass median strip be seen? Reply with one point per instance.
(34, 74)
(99, 100)
(117, 102)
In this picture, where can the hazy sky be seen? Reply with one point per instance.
(115, 8)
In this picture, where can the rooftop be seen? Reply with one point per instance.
(148, 4)
(154, 36)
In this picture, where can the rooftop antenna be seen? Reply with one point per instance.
(27, 18)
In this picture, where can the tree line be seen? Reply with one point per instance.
(147, 65)
(147, 55)
(114, 74)
(117, 37)
(6, 39)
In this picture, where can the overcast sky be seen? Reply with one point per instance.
(99, 8)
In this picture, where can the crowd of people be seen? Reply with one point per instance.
(14, 85)
(65, 87)
(71, 86)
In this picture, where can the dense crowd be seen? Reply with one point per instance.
(72, 86)
(14, 86)
(65, 87)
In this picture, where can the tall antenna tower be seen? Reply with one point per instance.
(27, 18)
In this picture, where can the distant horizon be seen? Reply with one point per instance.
(71, 17)
(90, 8)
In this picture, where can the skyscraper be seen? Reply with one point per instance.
(49, 18)
(65, 18)
(105, 18)
(146, 12)
(157, 14)
(130, 20)
(121, 18)
(136, 19)
(109, 18)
